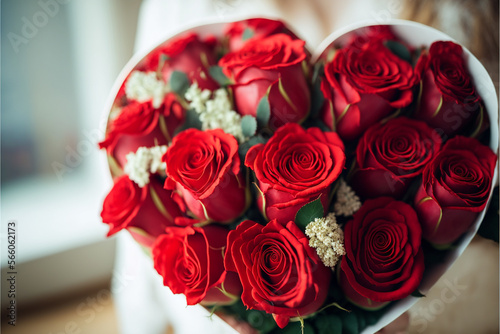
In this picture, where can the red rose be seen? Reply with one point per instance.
(242, 32)
(204, 167)
(186, 54)
(271, 67)
(190, 260)
(455, 188)
(362, 86)
(370, 34)
(389, 156)
(384, 260)
(127, 206)
(295, 167)
(279, 272)
(448, 100)
(140, 124)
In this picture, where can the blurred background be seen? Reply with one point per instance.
(59, 59)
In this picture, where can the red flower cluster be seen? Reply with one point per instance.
(222, 207)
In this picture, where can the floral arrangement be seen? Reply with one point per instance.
(305, 195)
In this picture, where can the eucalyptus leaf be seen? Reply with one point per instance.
(179, 82)
(247, 34)
(248, 125)
(217, 74)
(263, 111)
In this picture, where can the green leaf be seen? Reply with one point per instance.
(248, 125)
(309, 212)
(399, 50)
(319, 69)
(349, 323)
(327, 324)
(247, 34)
(416, 56)
(317, 98)
(217, 74)
(263, 111)
(245, 146)
(316, 123)
(191, 120)
(417, 293)
(179, 82)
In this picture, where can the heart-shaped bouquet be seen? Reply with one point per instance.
(318, 192)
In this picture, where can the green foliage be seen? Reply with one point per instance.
(399, 50)
(245, 146)
(263, 111)
(309, 212)
(192, 120)
(217, 74)
(247, 34)
(248, 125)
(179, 82)
(317, 98)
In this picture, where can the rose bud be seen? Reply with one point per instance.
(191, 262)
(140, 124)
(204, 168)
(187, 54)
(144, 211)
(448, 101)
(389, 156)
(242, 32)
(279, 272)
(270, 68)
(295, 167)
(384, 260)
(362, 86)
(455, 188)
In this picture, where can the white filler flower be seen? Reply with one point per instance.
(142, 163)
(145, 86)
(347, 201)
(215, 112)
(326, 236)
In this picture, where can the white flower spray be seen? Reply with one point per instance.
(144, 86)
(326, 236)
(215, 110)
(347, 201)
(142, 163)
